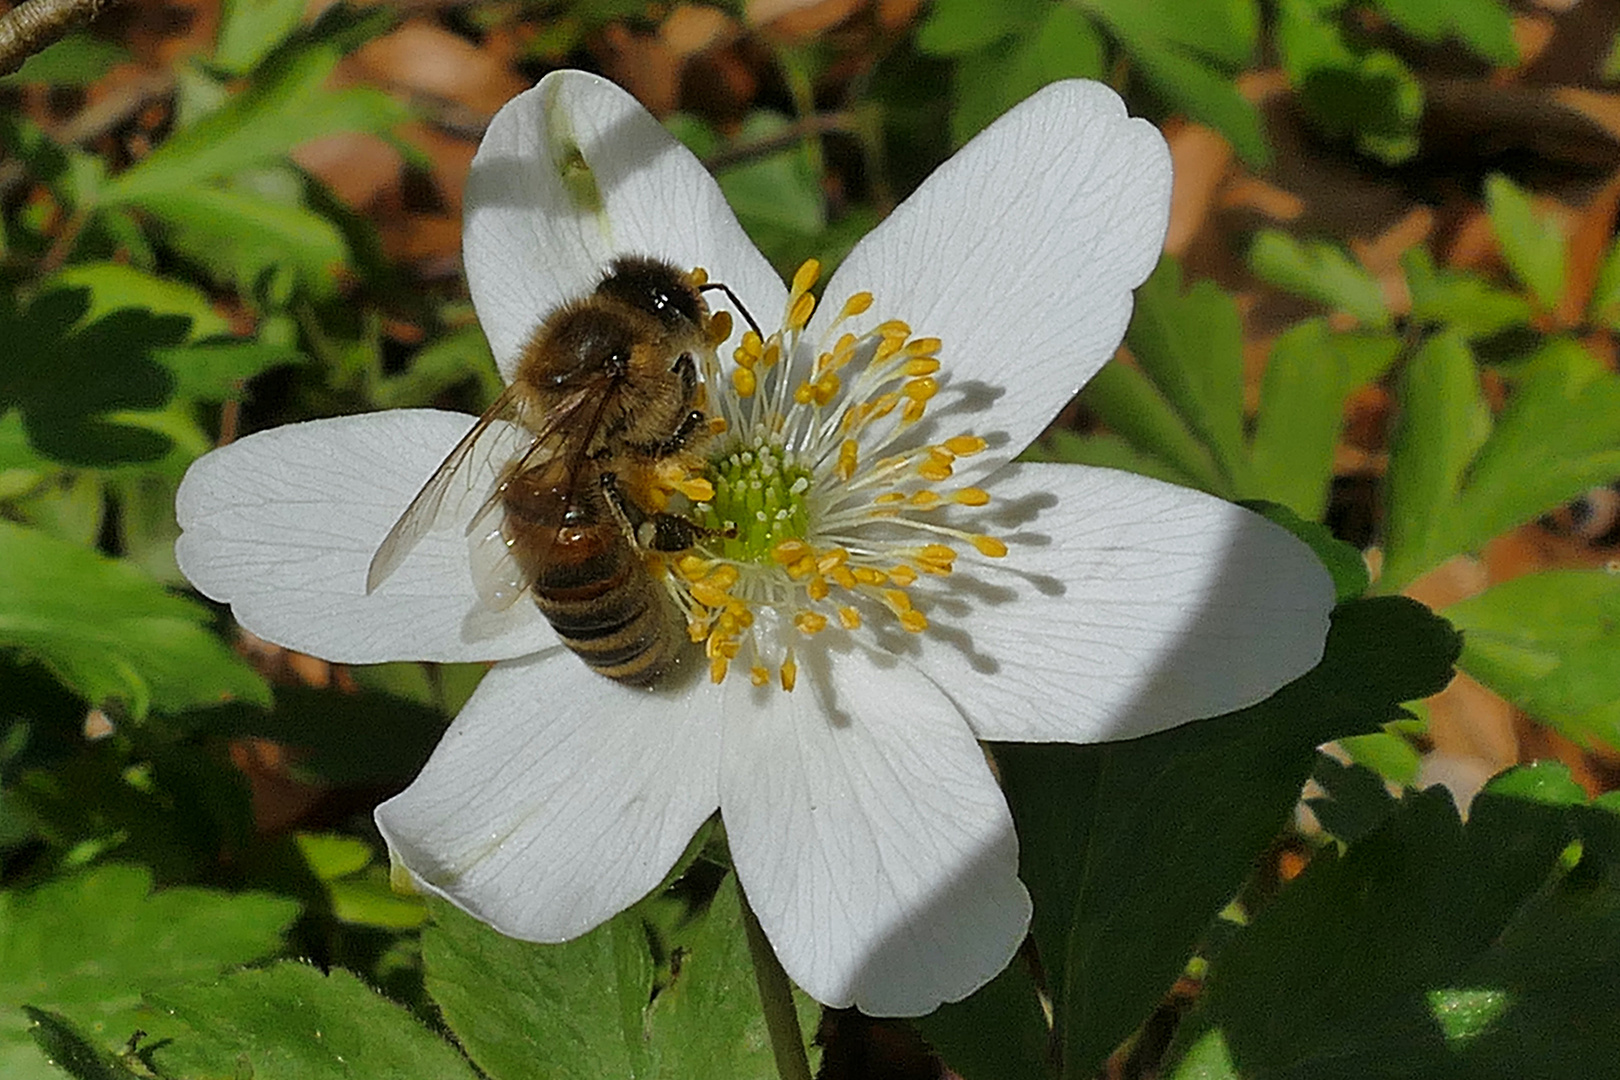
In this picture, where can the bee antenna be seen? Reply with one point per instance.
(752, 325)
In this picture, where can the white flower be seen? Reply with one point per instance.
(864, 823)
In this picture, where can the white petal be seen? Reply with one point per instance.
(533, 241)
(1124, 606)
(281, 525)
(1020, 253)
(870, 837)
(558, 798)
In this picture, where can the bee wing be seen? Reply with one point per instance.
(497, 575)
(495, 433)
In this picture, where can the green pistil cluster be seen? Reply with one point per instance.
(761, 496)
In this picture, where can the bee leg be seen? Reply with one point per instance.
(678, 440)
(648, 532)
(686, 368)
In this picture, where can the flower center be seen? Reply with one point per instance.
(818, 510)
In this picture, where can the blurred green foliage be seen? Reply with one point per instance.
(150, 305)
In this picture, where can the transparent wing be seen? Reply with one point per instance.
(497, 436)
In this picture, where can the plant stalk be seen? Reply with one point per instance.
(776, 997)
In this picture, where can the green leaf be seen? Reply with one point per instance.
(114, 286)
(1465, 301)
(1062, 44)
(1190, 344)
(1322, 272)
(1485, 26)
(287, 104)
(89, 944)
(1442, 422)
(1130, 849)
(1354, 801)
(999, 1032)
(291, 1022)
(1128, 402)
(1605, 306)
(959, 27)
(1532, 243)
(240, 236)
(106, 362)
(1310, 373)
(216, 370)
(333, 855)
(250, 29)
(1456, 951)
(108, 631)
(575, 1010)
(1547, 642)
(708, 1022)
(69, 1049)
(77, 60)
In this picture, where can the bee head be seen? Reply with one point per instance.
(655, 287)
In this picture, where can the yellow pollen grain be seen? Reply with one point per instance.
(914, 621)
(965, 445)
(849, 618)
(990, 546)
(855, 305)
(697, 489)
(925, 365)
(790, 551)
(810, 622)
(717, 669)
(758, 675)
(806, 275)
(970, 496)
(803, 308)
(817, 589)
(790, 674)
(903, 576)
(719, 327)
(744, 382)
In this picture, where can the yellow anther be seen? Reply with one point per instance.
(894, 328)
(751, 344)
(923, 365)
(913, 411)
(717, 669)
(934, 470)
(823, 362)
(790, 551)
(816, 588)
(806, 275)
(827, 388)
(830, 558)
(697, 629)
(855, 305)
(758, 675)
(789, 674)
(887, 348)
(849, 618)
(697, 489)
(923, 346)
(698, 276)
(869, 575)
(742, 614)
(965, 445)
(897, 600)
(744, 382)
(920, 389)
(970, 496)
(803, 307)
(889, 497)
(848, 460)
(925, 499)
(717, 425)
(719, 328)
(914, 621)
(842, 577)
(722, 577)
(771, 355)
(709, 596)
(804, 393)
(810, 622)
(884, 404)
(691, 567)
(990, 546)
(903, 576)
(803, 568)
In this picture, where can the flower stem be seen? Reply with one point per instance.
(776, 997)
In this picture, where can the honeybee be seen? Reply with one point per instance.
(606, 394)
